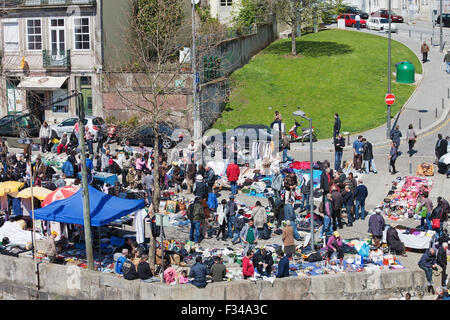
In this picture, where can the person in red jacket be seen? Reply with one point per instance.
(233, 173)
(247, 265)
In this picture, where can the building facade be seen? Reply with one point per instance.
(411, 10)
(50, 48)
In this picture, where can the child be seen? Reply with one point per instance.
(183, 277)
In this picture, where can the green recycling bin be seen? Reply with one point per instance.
(405, 72)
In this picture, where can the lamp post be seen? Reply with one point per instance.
(388, 129)
(197, 125)
(300, 113)
(29, 142)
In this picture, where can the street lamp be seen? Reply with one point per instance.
(388, 131)
(29, 143)
(300, 113)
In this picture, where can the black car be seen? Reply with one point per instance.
(20, 126)
(445, 20)
(355, 10)
(145, 134)
(245, 136)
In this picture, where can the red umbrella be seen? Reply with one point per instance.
(59, 194)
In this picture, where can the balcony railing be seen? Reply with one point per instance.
(38, 3)
(59, 60)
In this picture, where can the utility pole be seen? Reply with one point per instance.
(86, 208)
(197, 122)
(440, 27)
(388, 131)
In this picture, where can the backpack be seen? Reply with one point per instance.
(239, 223)
(190, 212)
(266, 232)
(421, 210)
(156, 230)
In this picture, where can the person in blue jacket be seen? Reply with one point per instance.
(361, 194)
(199, 271)
(119, 263)
(67, 169)
(283, 265)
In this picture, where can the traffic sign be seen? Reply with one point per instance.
(390, 99)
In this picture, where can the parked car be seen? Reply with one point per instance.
(145, 134)
(350, 20)
(355, 10)
(95, 124)
(383, 13)
(377, 23)
(18, 126)
(249, 132)
(445, 20)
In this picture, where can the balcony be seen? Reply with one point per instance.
(59, 61)
(42, 3)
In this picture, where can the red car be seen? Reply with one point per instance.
(385, 14)
(350, 20)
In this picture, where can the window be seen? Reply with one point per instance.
(34, 34)
(82, 37)
(60, 106)
(69, 122)
(57, 37)
(11, 36)
(226, 3)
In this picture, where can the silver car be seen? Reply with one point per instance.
(95, 124)
(381, 24)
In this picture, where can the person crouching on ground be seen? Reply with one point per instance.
(335, 245)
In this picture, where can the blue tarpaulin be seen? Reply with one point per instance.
(104, 208)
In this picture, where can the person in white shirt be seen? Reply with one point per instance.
(45, 134)
(358, 21)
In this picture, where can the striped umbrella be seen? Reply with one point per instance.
(59, 194)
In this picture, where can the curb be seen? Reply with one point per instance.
(386, 141)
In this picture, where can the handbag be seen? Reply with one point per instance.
(435, 223)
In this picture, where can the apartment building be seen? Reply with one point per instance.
(50, 48)
(223, 9)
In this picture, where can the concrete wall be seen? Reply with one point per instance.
(234, 54)
(17, 281)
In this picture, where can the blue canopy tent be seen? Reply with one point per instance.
(104, 208)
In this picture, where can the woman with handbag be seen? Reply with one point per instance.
(411, 139)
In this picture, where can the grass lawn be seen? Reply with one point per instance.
(336, 71)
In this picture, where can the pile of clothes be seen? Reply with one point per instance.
(401, 200)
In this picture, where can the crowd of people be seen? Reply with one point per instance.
(134, 166)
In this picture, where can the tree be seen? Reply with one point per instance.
(296, 12)
(155, 34)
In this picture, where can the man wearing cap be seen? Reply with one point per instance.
(335, 245)
(200, 187)
(51, 247)
(233, 173)
(376, 225)
(231, 218)
(393, 241)
(288, 238)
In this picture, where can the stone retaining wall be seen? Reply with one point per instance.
(17, 281)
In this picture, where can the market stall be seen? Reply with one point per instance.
(413, 238)
(401, 200)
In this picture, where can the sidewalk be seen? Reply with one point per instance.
(423, 103)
